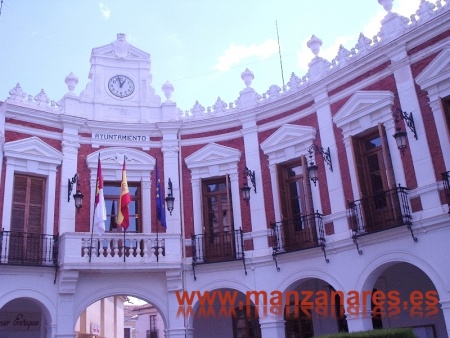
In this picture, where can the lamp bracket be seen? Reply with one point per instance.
(408, 118)
(325, 153)
(71, 182)
(251, 175)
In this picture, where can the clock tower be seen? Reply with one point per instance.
(120, 85)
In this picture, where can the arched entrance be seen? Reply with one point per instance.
(404, 296)
(24, 317)
(313, 307)
(224, 313)
(120, 316)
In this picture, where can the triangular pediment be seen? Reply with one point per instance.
(113, 157)
(362, 104)
(213, 154)
(34, 149)
(120, 49)
(287, 136)
(437, 70)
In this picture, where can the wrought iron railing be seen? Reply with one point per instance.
(218, 247)
(300, 233)
(151, 334)
(304, 232)
(22, 248)
(446, 180)
(383, 211)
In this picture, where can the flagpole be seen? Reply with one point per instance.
(93, 217)
(124, 230)
(157, 242)
(92, 235)
(124, 253)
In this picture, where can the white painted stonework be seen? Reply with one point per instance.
(119, 117)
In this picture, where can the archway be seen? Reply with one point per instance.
(120, 316)
(22, 317)
(403, 295)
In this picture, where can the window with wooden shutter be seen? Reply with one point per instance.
(218, 224)
(298, 228)
(27, 219)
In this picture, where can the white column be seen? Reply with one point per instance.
(360, 321)
(67, 282)
(176, 327)
(272, 328)
(170, 150)
(396, 156)
(441, 127)
(420, 151)
(146, 183)
(197, 208)
(334, 178)
(445, 306)
(257, 205)
(70, 146)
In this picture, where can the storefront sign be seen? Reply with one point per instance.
(20, 321)
(95, 329)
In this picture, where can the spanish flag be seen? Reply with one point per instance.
(125, 199)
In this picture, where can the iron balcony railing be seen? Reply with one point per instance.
(382, 211)
(446, 179)
(217, 247)
(303, 232)
(22, 248)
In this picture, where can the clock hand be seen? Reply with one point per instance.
(120, 82)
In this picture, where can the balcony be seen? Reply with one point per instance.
(218, 247)
(136, 250)
(446, 180)
(296, 234)
(383, 211)
(29, 249)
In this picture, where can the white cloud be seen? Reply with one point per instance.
(106, 12)
(236, 53)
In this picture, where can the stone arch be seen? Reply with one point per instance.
(46, 305)
(372, 271)
(113, 290)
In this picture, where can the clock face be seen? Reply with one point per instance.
(121, 86)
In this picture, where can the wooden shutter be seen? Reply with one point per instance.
(387, 164)
(27, 206)
(307, 184)
(359, 166)
(282, 192)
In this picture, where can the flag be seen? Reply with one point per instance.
(160, 210)
(124, 200)
(99, 206)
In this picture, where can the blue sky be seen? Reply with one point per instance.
(200, 46)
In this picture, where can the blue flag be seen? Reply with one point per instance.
(160, 210)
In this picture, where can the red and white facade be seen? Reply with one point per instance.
(375, 223)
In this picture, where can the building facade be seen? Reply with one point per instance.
(345, 172)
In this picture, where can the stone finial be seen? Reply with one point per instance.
(121, 46)
(167, 89)
(17, 93)
(387, 5)
(41, 98)
(247, 76)
(71, 82)
(314, 44)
